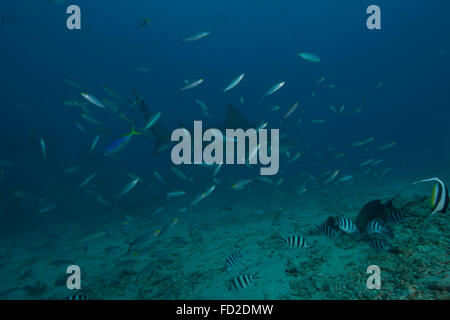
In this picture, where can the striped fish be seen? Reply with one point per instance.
(295, 242)
(396, 215)
(232, 260)
(328, 230)
(378, 227)
(439, 197)
(243, 281)
(380, 244)
(346, 225)
(77, 297)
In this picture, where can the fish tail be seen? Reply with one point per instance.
(134, 132)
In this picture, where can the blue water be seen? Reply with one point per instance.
(409, 56)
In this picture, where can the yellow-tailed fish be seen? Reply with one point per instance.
(120, 143)
(241, 184)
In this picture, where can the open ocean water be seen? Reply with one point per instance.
(90, 195)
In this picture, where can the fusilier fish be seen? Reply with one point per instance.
(196, 37)
(234, 83)
(153, 119)
(129, 186)
(43, 149)
(274, 88)
(291, 110)
(120, 143)
(94, 143)
(309, 56)
(93, 100)
(191, 85)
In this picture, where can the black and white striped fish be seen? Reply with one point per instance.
(396, 215)
(232, 260)
(380, 244)
(378, 227)
(243, 281)
(329, 231)
(439, 197)
(295, 242)
(346, 225)
(78, 297)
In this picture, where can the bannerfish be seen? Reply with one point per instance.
(439, 197)
(120, 143)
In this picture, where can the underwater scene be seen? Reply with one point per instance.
(224, 150)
